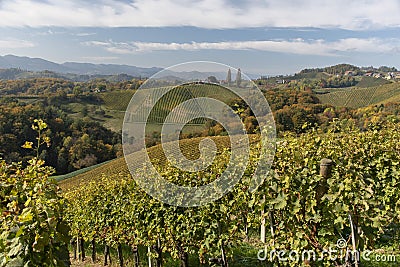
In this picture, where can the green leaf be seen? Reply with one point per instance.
(20, 231)
(26, 215)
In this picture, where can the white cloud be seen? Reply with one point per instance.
(15, 43)
(355, 14)
(296, 46)
(84, 34)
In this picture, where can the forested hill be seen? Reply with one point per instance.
(20, 74)
(75, 143)
(341, 69)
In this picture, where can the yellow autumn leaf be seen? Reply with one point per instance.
(27, 145)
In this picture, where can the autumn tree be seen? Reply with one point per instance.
(212, 79)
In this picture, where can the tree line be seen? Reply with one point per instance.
(54, 86)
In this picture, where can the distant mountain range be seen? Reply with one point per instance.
(15, 67)
(39, 65)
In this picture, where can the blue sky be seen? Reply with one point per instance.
(261, 37)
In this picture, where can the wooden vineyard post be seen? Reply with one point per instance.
(73, 247)
(78, 248)
(262, 231)
(135, 251)
(325, 170)
(93, 250)
(272, 228)
(355, 255)
(159, 253)
(223, 256)
(120, 256)
(107, 256)
(82, 245)
(149, 256)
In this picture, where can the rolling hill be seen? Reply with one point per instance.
(189, 148)
(115, 103)
(354, 97)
